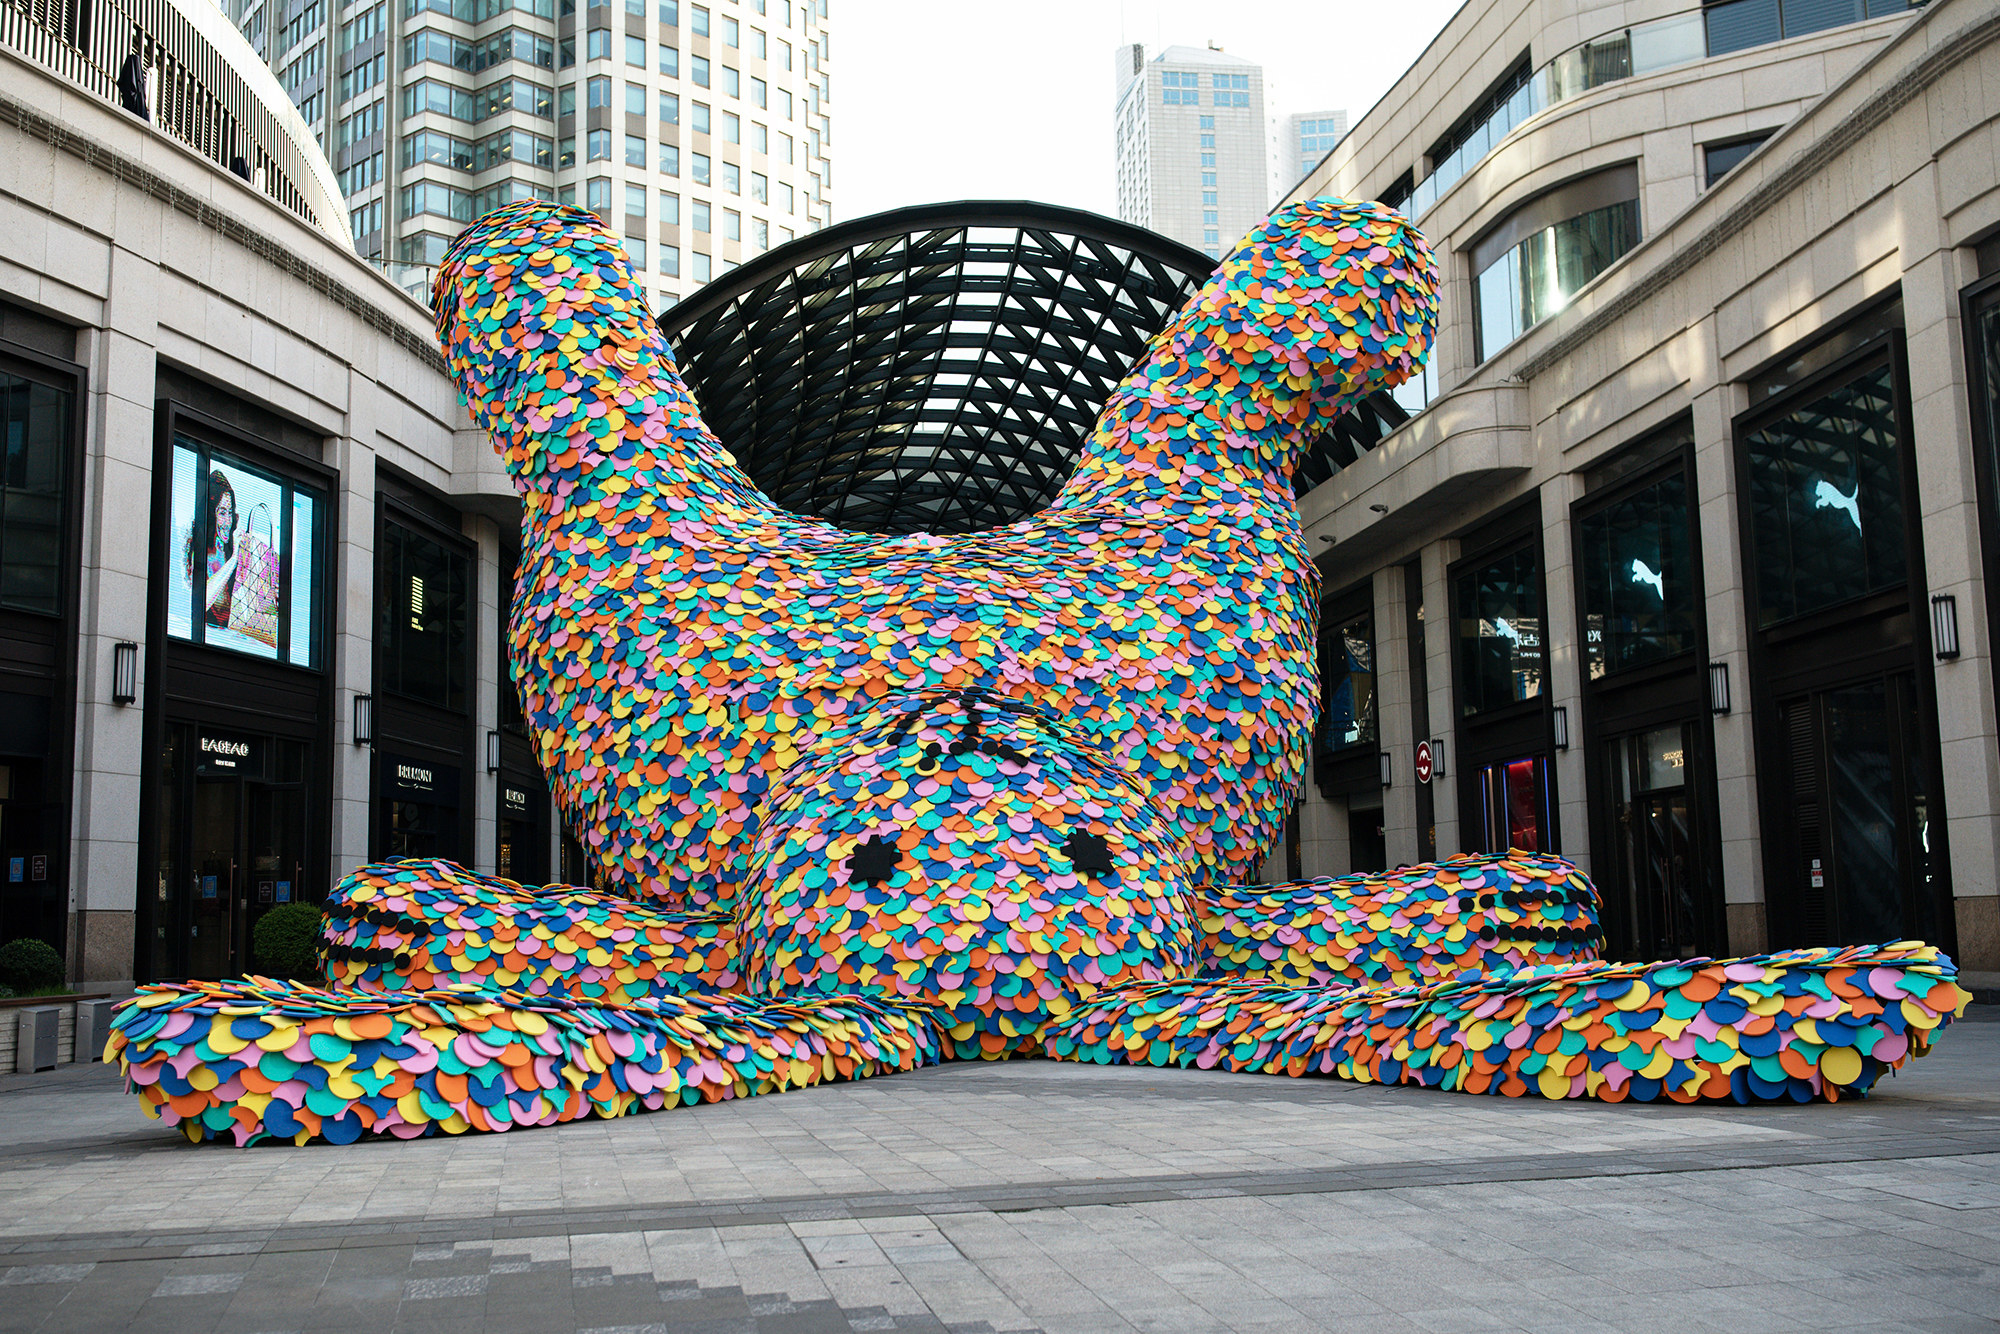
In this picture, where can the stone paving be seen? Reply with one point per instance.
(1032, 1196)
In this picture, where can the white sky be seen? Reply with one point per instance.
(1012, 99)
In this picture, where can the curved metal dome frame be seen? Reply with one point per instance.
(936, 368)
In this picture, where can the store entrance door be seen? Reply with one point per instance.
(237, 851)
(1650, 889)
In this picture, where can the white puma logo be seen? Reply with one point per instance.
(1642, 575)
(1505, 631)
(1827, 496)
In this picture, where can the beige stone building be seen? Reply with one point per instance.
(1193, 155)
(1684, 564)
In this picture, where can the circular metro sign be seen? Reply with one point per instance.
(1423, 761)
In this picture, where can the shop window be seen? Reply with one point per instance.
(245, 565)
(33, 477)
(1514, 805)
(1529, 266)
(1638, 579)
(1651, 888)
(1347, 683)
(422, 634)
(1499, 636)
(1826, 499)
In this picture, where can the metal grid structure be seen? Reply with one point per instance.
(936, 369)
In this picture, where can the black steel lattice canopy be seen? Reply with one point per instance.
(935, 369)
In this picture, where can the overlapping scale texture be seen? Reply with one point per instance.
(678, 639)
(1467, 916)
(254, 1059)
(1800, 1024)
(990, 899)
(395, 926)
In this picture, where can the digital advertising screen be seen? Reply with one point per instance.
(242, 567)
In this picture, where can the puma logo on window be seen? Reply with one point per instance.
(1827, 496)
(1641, 574)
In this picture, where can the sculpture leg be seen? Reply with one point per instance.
(1380, 979)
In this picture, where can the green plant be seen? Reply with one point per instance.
(285, 941)
(30, 966)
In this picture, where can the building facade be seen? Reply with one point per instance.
(1684, 565)
(251, 554)
(1193, 158)
(701, 132)
(1309, 137)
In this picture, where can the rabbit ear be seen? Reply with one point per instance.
(559, 360)
(1324, 303)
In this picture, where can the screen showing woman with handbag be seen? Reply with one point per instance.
(247, 541)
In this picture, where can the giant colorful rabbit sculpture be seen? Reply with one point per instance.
(859, 803)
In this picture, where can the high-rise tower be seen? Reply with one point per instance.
(1193, 160)
(701, 132)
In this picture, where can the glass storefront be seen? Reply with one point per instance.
(423, 628)
(1347, 683)
(1637, 575)
(422, 814)
(1654, 882)
(232, 826)
(1499, 637)
(1826, 499)
(1515, 805)
(34, 489)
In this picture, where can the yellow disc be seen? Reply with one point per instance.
(1840, 1065)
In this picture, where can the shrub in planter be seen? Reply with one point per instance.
(30, 966)
(285, 939)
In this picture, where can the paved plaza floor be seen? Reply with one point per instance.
(1032, 1196)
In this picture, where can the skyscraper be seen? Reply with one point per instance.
(701, 132)
(1309, 137)
(1193, 160)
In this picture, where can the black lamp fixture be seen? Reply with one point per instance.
(1560, 724)
(1437, 758)
(1718, 688)
(364, 720)
(492, 752)
(1944, 626)
(1384, 757)
(124, 672)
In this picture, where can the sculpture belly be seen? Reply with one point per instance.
(671, 698)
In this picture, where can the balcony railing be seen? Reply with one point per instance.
(196, 96)
(1677, 39)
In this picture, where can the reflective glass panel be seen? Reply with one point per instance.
(1638, 579)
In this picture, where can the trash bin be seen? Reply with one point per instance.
(35, 1041)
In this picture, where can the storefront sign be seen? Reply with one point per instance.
(17, 869)
(514, 799)
(38, 866)
(284, 891)
(414, 777)
(266, 891)
(220, 753)
(1423, 761)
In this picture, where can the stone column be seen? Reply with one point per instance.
(484, 853)
(1562, 648)
(1393, 716)
(1437, 559)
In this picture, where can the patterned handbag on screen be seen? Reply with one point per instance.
(253, 597)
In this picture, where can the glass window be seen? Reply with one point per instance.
(600, 44)
(670, 108)
(1177, 89)
(732, 178)
(760, 234)
(732, 225)
(1826, 499)
(597, 196)
(732, 81)
(698, 20)
(1638, 579)
(635, 99)
(670, 160)
(1536, 278)
(732, 128)
(1207, 122)
(758, 45)
(731, 35)
(760, 187)
(1347, 682)
(701, 168)
(670, 261)
(1499, 606)
(670, 13)
(670, 60)
(635, 150)
(698, 67)
(33, 503)
(598, 145)
(599, 90)
(700, 211)
(635, 201)
(255, 536)
(703, 266)
(760, 138)
(569, 100)
(635, 251)
(698, 119)
(422, 633)
(670, 208)
(1718, 160)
